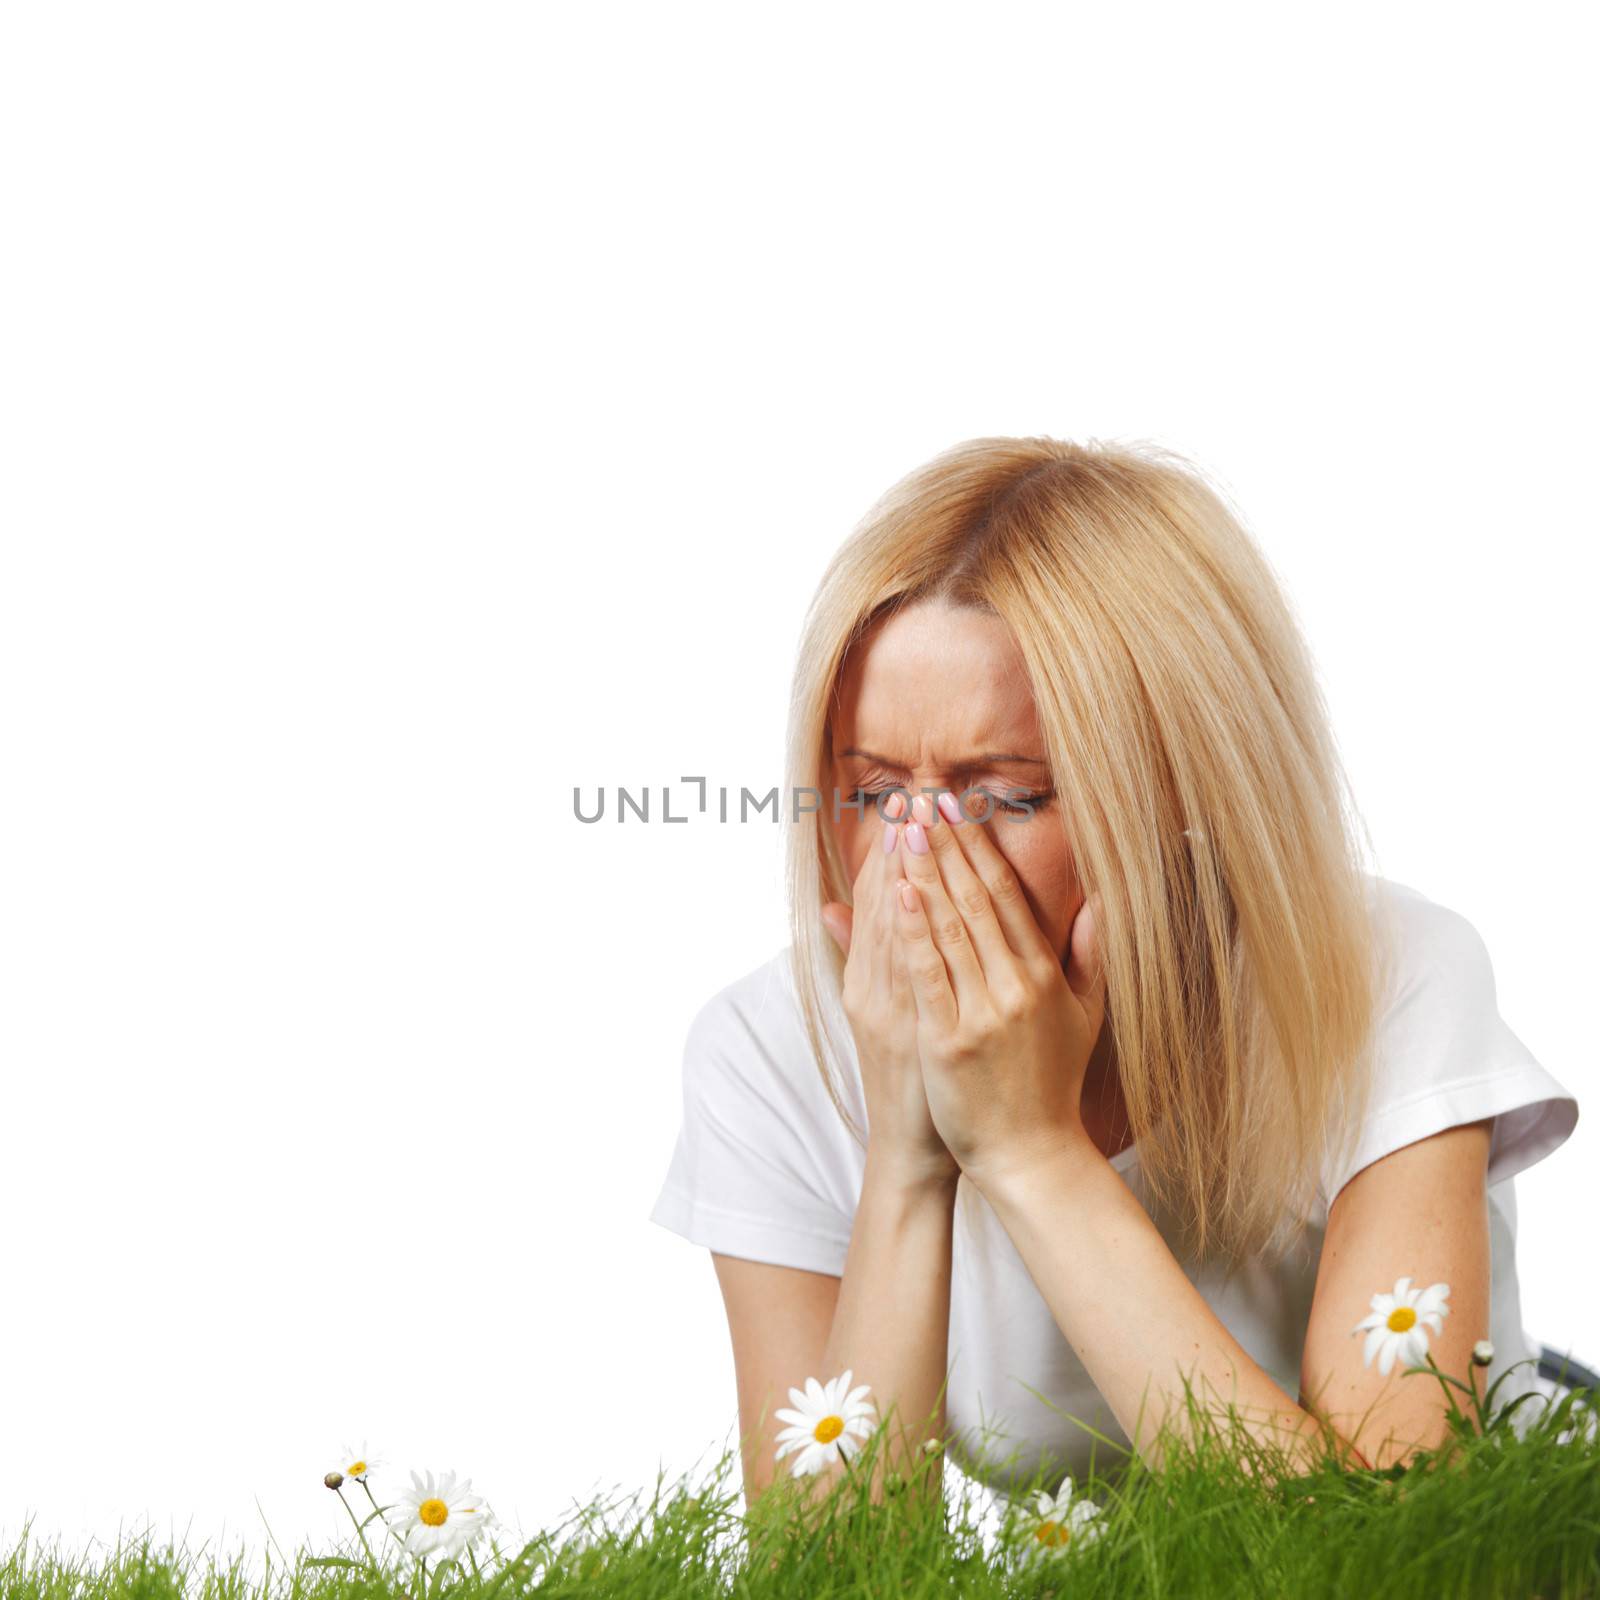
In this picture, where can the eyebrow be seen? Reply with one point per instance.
(971, 764)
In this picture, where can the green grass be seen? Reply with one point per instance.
(1498, 1511)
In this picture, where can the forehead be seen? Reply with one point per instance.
(935, 685)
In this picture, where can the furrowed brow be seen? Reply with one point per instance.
(971, 764)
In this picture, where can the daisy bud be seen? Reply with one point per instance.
(931, 1447)
(894, 1483)
(334, 1479)
(1482, 1353)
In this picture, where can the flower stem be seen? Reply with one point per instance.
(1453, 1411)
(381, 1518)
(1478, 1399)
(359, 1534)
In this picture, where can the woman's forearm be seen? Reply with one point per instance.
(1128, 1309)
(891, 1326)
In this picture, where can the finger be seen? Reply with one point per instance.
(968, 892)
(904, 1001)
(949, 931)
(924, 965)
(1006, 893)
(899, 977)
(885, 843)
(872, 925)
(880, 974)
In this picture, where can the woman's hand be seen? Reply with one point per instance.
(1003, 1032)
(883, 1021)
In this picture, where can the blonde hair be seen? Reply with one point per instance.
(1243, 962)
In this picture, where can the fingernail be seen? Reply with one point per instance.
(894, 805)
(908, 896)
(916, 838)
(922, 809)
(889, 832)
(951, 807)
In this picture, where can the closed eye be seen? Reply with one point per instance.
(1018, 802)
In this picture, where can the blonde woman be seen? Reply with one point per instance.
(1098, 1061)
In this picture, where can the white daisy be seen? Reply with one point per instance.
(444, 1517)
(1058, 1521)
(1398, 1323)
(357, 1463)
(825, 1419)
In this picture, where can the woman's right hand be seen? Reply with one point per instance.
(882, 1013)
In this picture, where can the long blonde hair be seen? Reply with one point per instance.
(1174, 691)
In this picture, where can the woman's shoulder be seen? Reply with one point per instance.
(764, 1168)
(1440, 973)
(1443, 1053)
(753, 1029)
(1432, 940)
(760, 1003)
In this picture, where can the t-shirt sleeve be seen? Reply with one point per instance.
(1446, 1056)
(757, 1170)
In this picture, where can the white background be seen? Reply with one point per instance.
(411, 413)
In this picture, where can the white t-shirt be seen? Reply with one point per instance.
(765, 1169)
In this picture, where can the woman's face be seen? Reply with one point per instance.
(937, 697)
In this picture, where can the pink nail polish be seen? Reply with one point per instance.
(916, 838)
(890, 831)
(951, 807)
(894, 805)
(922, 809)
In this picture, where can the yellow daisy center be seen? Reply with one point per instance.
(1052, 1533)
(829, 1429)
(1401, 1318)
(355, 1469)
(433, 1513)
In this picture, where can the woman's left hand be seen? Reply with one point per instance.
(1003, 1030)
